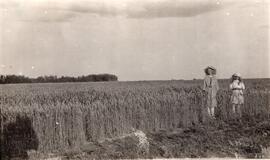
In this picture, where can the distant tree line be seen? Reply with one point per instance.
(7, 79)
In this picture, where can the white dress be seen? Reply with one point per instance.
(237, 92)
(211, 87)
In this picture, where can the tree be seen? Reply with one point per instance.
(4, 79)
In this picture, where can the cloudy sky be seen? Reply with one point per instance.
(135, 39)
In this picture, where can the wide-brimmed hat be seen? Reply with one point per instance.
(210, 67)
(236, 75)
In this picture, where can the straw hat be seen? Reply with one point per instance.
(210, 67)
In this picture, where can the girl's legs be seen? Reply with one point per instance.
(239, 112)
(213, 112)
(209, 111)
(234, 110)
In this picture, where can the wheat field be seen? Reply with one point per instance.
(55, 117)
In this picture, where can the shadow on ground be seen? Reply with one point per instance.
(17, 138)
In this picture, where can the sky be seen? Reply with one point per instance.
(135, 39)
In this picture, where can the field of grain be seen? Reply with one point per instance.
(53, 118)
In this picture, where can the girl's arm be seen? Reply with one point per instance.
(231, 86)
(243, 86)
(240, 86)
(217, 85)
(204, 84)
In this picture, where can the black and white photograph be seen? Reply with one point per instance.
(134, 79)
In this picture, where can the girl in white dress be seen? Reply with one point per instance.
(237, 97)
(211, 87)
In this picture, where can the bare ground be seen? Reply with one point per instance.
(246, 139)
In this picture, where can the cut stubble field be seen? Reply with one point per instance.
(106, 119)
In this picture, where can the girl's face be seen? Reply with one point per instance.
(210, 71)
(236, 78)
